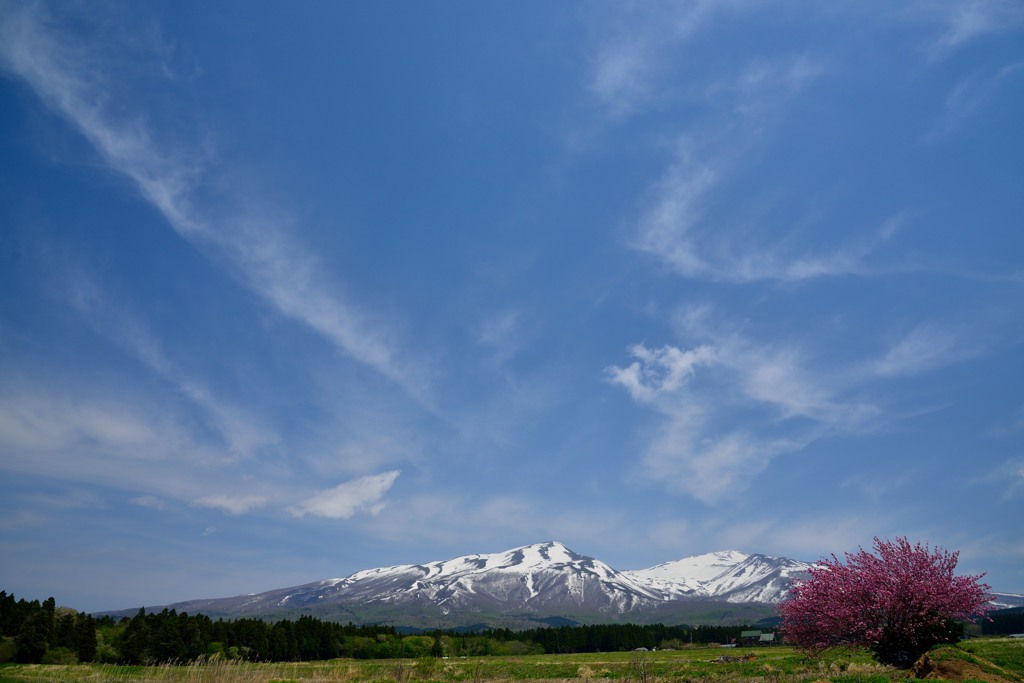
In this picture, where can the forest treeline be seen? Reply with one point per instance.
(34, 632)
(41, 632)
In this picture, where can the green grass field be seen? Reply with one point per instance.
(1001, 659)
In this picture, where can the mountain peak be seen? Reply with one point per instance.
(549, 551)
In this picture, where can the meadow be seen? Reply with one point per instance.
(992, 660)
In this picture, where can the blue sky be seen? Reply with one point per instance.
(292, 290)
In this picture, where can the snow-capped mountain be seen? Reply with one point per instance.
(534, 581)
(727, 575)
(532, 576)
(1007, 600)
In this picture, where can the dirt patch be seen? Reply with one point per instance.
(953, 669)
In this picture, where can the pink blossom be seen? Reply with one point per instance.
(898, 601)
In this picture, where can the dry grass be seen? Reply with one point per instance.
(216, 671)
(767, 665)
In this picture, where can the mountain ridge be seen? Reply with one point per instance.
(520, 587)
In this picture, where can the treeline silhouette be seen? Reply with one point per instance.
(40, 632)
(620, 637)
(1004, 622)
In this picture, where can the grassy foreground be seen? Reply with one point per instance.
(994, 660)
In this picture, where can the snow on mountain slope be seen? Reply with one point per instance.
(728, 575)
(541, 578)
(543, 574)
(686, 577)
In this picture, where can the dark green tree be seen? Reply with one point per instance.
(32, 640)
(64, 631)
(135, 640)
(166, 643)
(85, 637)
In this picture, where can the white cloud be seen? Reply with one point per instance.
(349, 498)
(787, 402)
(691, 453)
(659, 371)
(665, 227)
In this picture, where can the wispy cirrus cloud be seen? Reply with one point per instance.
(763, 86)
(71, 78)
(680, 222)
(969, 98)
(93, 435)
(966, 21)
(635, 45)
(1006, 477)
(242, 434)
(233, 504)
(689, 219)
(688, 454)
(101, 435)
(34, 421)
(677, 225)
(733, 404)
(787, 398)
(925, 347)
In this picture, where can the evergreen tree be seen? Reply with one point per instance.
(49, 607)
(9, 623)
(135, 641)
(32, 641)
(166, 643)
(85, 637)
(64, 631)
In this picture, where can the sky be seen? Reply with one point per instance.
(291, 290)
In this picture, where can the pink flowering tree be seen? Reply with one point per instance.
(898, 602)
